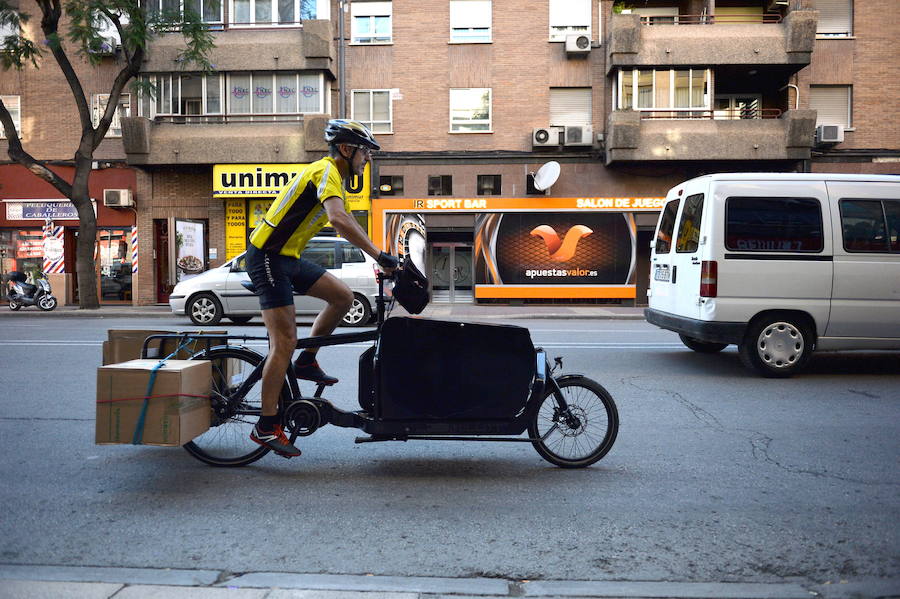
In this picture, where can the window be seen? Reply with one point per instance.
(470, 21)
(440, 185)
(835, 18)
(743, 106)
(870, 225)
(14, 106)
(320, 252)
(530, 189)
(209, 11)
(351, 254)
(689, 229)
(372, 107)
(488, 185)
(470, 110)
(98, 107)
(667, 15)
(390, 185)
(371, 22)
(773, 224)
(570, 106)
(568, 17)
(676, 89)
(280, 95)
(831, 103)
(269, 13)
(666, 228)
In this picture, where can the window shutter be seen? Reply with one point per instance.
(470, 13)
(831, 103)
(570, 106)
(370, 9)
(834, 17)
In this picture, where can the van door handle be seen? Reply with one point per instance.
(674, 273)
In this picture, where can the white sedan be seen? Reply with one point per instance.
(208, 297)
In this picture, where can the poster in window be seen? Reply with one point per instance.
(190, 247)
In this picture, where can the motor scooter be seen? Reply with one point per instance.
(20, 293)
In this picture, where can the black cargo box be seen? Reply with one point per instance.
(433, 369)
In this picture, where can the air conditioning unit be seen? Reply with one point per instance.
(578, 44)
(829, 134)
(579, 135)
(546, 136)
(117, 198)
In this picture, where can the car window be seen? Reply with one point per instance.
(666, 228)
(892, 211)
(767, 224)
(351, 253)
(239, 264)
(863, 226)
(689, 230)
(320, 252)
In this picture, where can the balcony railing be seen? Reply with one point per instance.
(726, 114)
(217, 119)
(711, 19)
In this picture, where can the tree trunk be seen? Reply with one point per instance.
(87, 236)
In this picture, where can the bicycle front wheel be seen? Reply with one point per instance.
(581, 436)
(234, 413)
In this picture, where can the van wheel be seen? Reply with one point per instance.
(776, 346)
(702, 346)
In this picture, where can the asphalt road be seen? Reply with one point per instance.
(717, 475)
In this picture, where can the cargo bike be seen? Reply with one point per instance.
(421, 379)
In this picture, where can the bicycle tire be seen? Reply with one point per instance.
(595, 408)
(227, 442)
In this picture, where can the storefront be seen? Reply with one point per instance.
(39, 231)
(521, 249)
(248, 191)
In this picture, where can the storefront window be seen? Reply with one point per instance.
(22, 250)
(114, 261)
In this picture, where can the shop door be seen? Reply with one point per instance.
(161, 260)
(452, 270)
(114, 265)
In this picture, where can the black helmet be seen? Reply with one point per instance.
(411, 288)
(354, 133)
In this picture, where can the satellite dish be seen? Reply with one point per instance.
(546, 176)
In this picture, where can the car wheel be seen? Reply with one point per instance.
(360, 312)
(240, 319)
(204, 309)
(777, 345)
(702, 346)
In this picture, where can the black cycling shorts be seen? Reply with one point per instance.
(277, 277)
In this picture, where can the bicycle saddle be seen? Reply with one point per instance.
(249, 286)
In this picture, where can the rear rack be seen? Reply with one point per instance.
(213, 339)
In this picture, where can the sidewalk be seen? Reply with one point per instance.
(474, 312)
(20, 582)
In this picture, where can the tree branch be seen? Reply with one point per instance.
(18, 154)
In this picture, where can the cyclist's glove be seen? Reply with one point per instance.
(385, 260)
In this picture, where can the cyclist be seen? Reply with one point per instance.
(312, 198)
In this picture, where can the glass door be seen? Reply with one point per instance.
(452, 280)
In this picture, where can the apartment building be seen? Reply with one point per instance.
(470, 98)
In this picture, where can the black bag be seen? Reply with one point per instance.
(411, 288)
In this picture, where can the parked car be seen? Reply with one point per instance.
(780, 264)
(217, 293)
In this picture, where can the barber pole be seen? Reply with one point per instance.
(134, 250)
(54, 257)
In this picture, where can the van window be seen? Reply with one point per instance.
(892, 211)
(320, 252)
(351, 253)
(689, 229)
(773, 224)
(666, 228)
(863, 226)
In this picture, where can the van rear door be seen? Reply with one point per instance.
(661, 295)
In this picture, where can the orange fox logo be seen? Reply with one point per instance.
(561, 251)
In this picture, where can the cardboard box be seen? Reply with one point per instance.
(178, 408)
(124, 345)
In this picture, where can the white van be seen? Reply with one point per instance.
(780, 264)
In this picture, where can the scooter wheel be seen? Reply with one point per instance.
(14, 305)
(47, 303)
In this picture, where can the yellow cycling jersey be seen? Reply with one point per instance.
(297, 214)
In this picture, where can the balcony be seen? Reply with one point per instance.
(289, 49)
(682, 135)
(222, 140)
(702, 40)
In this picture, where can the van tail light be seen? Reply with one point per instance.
(709, 278)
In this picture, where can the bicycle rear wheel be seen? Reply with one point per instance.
(580, 441)
(227, 442)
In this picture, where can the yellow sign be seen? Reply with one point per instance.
(255, 180)
(529, 204)
(235, 228)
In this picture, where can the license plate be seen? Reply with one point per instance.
(662, 273)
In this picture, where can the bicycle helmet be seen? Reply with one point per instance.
(411, 288)
(354, 133)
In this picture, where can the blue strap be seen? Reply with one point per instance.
(138, 437)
